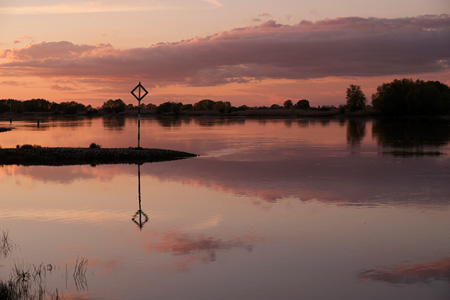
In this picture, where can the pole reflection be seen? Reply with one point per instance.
(140, 217)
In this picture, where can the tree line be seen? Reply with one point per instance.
(399, 97)
(44, 106)
(403, 97)
(119, 106)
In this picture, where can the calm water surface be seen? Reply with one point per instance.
(272, 209)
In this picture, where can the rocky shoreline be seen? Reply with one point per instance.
(61, 156)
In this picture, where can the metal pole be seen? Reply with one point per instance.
(139, 118)
(139, 124)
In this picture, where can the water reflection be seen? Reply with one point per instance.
(201, 121)
(352, 180)
(140, 217)
(206, 121)
(276, 202)
(49, 122)
(411, 133)
(356, 131)
(79, 274)
(190, 248)
(6, 245)
(410, 274)
(114, 123)
(210, 122)
(170, 122)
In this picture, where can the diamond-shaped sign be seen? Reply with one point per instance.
(139, 89)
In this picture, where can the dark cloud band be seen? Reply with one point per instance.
(338, 47)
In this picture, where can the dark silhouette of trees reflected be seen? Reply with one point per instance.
(114, 123)
(356, 131)
(169, 122)
(411, 133)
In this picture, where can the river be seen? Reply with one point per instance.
(271, 209)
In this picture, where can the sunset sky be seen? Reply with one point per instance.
(246, 52)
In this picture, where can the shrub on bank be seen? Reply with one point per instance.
(94, 146)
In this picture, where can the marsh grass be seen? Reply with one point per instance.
(28, 282)
(79, 274)
(6, 245)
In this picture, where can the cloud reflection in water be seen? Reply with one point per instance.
(410, 274)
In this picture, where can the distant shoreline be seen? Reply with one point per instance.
(250, 113)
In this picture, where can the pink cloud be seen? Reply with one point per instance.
(53, 51)
(338, 47)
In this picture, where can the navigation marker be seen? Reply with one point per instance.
(139, 97)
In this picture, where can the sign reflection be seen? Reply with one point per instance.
(140, 217)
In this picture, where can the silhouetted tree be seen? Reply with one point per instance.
(288, 104)
(70, 107)
(187, 107)
(3, 106)
(221, 106)
(408, 97)
(169, 107)
(115, 106)
(302, 104)
(36, 105)
(204, 104)
(356, 100)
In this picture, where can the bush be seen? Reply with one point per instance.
(94, 146)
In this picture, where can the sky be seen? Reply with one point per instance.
(246, 52)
